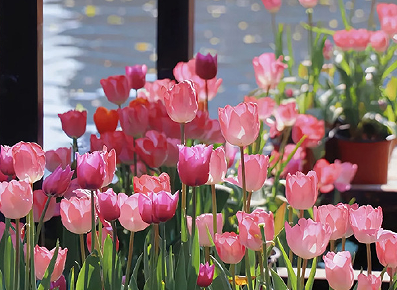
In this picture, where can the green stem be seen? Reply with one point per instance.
(290, 253)
(93, 231)
(214, 209)
(82, 248)
(298, 273)
(304, 266)
(207, 254)
(243, 179)
(27, 265)
(75, 149)
(156, 240)
(41, 220)
(114, 269)
(265, 258)
(369, 263)
(248, 270)
(32, 244)
(194, 214)
(163, 265)
(129, 261)
(17, 254)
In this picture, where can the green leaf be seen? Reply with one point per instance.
(290, 270)
(170, 278)
(107, 263)
(9, 261)
(310, 280)
(391, 89)
(133, 285)
(180, 274)
(279, 40)
(90, 274)
(46, 281)
(1, 281)
(343, 14)
(291, 60)
(278, 282)
(221, 281)
(72, 282)
(280, 218)
(137, 265)
(196, 253)
(389, 70)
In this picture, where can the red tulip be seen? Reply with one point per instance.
(134, 119)
(311, 127)
(268, 70)
(272, 5)
(91, 170)
(301, 190)
(152, 148)
(157, 207)
(106, 120)
(42, 258)
(205, 225)
(76, 214)
(16, 199)
(206, 66)
(388, 17)
(308, 3)
(61, 156)
(129, 213)
(74, 123)
(116, 88)
(366, 222)
(108, 204)
(58, 182)
(386, 248)
(307, 239)
(339, 270)
(240, 124)
(155, 184)
(6, 161)
(205, 275)
(336, 216)
(370, 282)
(136, 76)
(39, 201)
(194, 164)
(229, 247)
(380, 40)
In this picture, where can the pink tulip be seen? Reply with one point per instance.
(213, 134)
(206, 66)
(74, 123)
(205, 225)
(181, 101)
(196, 129)
(301, 190)
(250, 233)
(42, 258)
(16, 199)
(339, 270)
(370, 282)
(296, 162)
(61, 156)
(307, 239)
(388, 17)
(91, 170)
(311, 127)
(308, 3)
(155, 184)
(136, 76)
(205, 275)
(156, 208)
(76, 214)
(352, 39)
(336, 216)
(347, 172)
(134, 119)
(229, 248)
(194, 164)
(172, 152)
(328, 49)
(39, 201)
(152, 90)
(116, 88)
(327, 174)
(217, 166)
(109, 159)
(59, 284)
(29, 161)
(152, 148)
(230, 152)
(6, 161)
(379, 40)
(129, 213)
(285, 115)
(266, 106)
(273, 6)
(58, 182)
(109, 207)
(268, 70)
(240, 124)
(386, 248)
(366, 223)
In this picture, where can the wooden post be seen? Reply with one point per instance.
(21, 71)
(174, 34)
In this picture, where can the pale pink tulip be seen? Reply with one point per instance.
(268, 70)
(339, 270)
(134, 120)
(205, 225)
(218, 166)
(370, 282)
(348, 170)
(311, 127)
(266, 106)
(336, 216)
(386, 248)
(16, 198)
(129, 213)
(6, 161)
(285, 115)
(152, 148)
(327, 174)
(255, 171)
(308, 3)
(229, 248)
(109, 159)
(76, 214)
(366, 222)
(388, 17)
(301, 190)
(42, 259)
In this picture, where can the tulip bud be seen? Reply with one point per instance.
(205, 275)
(206, 66)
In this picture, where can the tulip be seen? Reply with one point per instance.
(352, 39)
(6, 161)
(105, 120)
(42, 258)
(230, 152)
(129, 213)
(217, 166)
(149, 183)
(74, 123)
(59, 284)
(296, 162)
(347, 172)
(328, 49)
(285, 115)
(109, 207)
(386, 248)
(61, 156)
(370, 282)
(273, 6)
(380, 40)
(136, 76)
(301, 190)
(307, 239)
(387, 17)
(205, 225)
(194, 164)
(29, 161)
(206, 66)
(172, 152)
(109, 159)
(213, 134)
(229, 247)
(308, 3)
(152, 90)
(91, 170)
(16, 198)
(327, 174)
(255, 171)
(58, 182)
(181, 101)
(268, 70)
(134, 119)
(116, 88)
(76, 214)
(197, 128)
(156, 208)
(39, 201)
(336, 216)
(266, 106)
(339, 270)
(205, 275)
(240, 124)
(366, 222)
(311, 127)
(152, 148)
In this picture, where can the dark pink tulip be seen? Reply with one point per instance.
(336, 216)
(39, 201)
(136, 76)
(205, 275)
(116, 88)
(148, 183)
(311, 127)
(91, 170)
(218, 166)
(152, 148)
(42, 258)
(29, 161)
(6, 161)
(134, 119)
(59, 284)
(206, 66)
(240, 124)
(307, 239)
(194, 164)
(386, 249)
(339, 270)
(197, 128)
(58, 182)
(301, 190)
(272, 6)
(74, 123)
(229, 247)
(268, 70)
(16, 198)
(156, 208)
(76, 214)
(129, 213)
(370, 282)
(366, 222)
(109, 207)
(61, 156)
